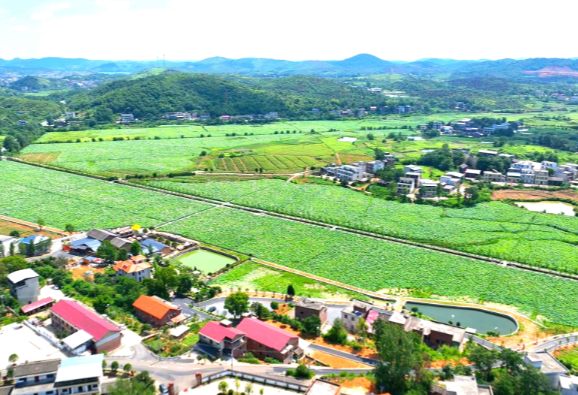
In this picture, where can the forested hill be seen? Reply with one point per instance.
(151, 97)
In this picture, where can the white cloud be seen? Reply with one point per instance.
(20, 28)
(46, 11)
(113, 4)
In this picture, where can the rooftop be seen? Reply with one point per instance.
(131, 267)
(152, 245)
(82, 318)
(34, 239)
(77, 339)
(155, 306)
(462, 385)
(101, 235)
(545, 362)
(321, 387)
(265, 334)
(218, 332)
(566, 382)
(36, 368)
(310, 304)
(20, 275)
(79, 368)
(42, 302)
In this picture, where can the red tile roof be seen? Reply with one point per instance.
(82, 318)
(35, 305)
(131, 267)
(154, 306)
(218, 332)
(265, 334)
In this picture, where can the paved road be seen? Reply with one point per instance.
(342, 354)
(333, 310)
(555, 343)
(184, 303)
(182, 371)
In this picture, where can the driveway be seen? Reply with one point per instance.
(184, 303)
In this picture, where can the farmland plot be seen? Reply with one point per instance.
(491, 229)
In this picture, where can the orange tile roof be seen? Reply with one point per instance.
(154, 306)
(131, 267)
(138, 258)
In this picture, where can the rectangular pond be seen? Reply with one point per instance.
(482, 321)
(205, 261)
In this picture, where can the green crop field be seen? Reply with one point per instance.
(493, 229)
(30, 193)
(375, 265)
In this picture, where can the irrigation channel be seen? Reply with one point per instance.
(218, 203)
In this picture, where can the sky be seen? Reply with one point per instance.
(286, 29)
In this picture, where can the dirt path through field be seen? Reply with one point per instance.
(33, 225)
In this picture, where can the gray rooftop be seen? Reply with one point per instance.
(36, 368)
(100, 234)
(6, 390)
(310, 304)
(20, 275)
(80, 368)
(545, 362)
(462, 385)
(321, 387)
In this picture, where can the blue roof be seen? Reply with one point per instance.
(154, 245)
(91, 243)
(33, 238)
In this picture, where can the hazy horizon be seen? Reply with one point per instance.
(301, 30)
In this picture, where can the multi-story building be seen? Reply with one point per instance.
(36, 378)
(80, 375)
(8, 245)
(126, 118)
(405, 185)
(24, 286)
(428, 188)
(541, 177)
(374, 166)
(350, 173)
(412, 169)
(352, 314)
(135, 270)
(265, 340)
(225, 339)
(493, 176)
(305, 308)
(69, 316)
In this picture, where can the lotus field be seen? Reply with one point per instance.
(493, 229)
(375, 265)
(29, 193)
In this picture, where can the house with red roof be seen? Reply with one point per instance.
(69, 316)
(264, 340)
(156, 311)
(223, 338)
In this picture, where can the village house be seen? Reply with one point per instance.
(493, 176)
(412, 169)
(80, 375)
(353, 313)
(265, 340)
(568, 385)
(8, 244)
(126, 118)
(473, 173)
(36, 377)
(70, 316)
(222, 337)
(487, 153)
(135, 268)
(548, 365)
(34, 245)
(156, 311)
(24, 286)
(151, 246)
(461, 385)
(305, 308)
(428, 188)
(405, 185)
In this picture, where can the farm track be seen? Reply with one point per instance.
(217, 203)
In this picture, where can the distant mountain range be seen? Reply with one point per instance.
(363, 64)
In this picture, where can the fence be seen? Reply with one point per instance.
(276, 382)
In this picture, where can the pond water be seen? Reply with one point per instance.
(548, 207)
(482, 321)
(205, 261)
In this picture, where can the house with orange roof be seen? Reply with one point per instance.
(138, 271)
(156, 311)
